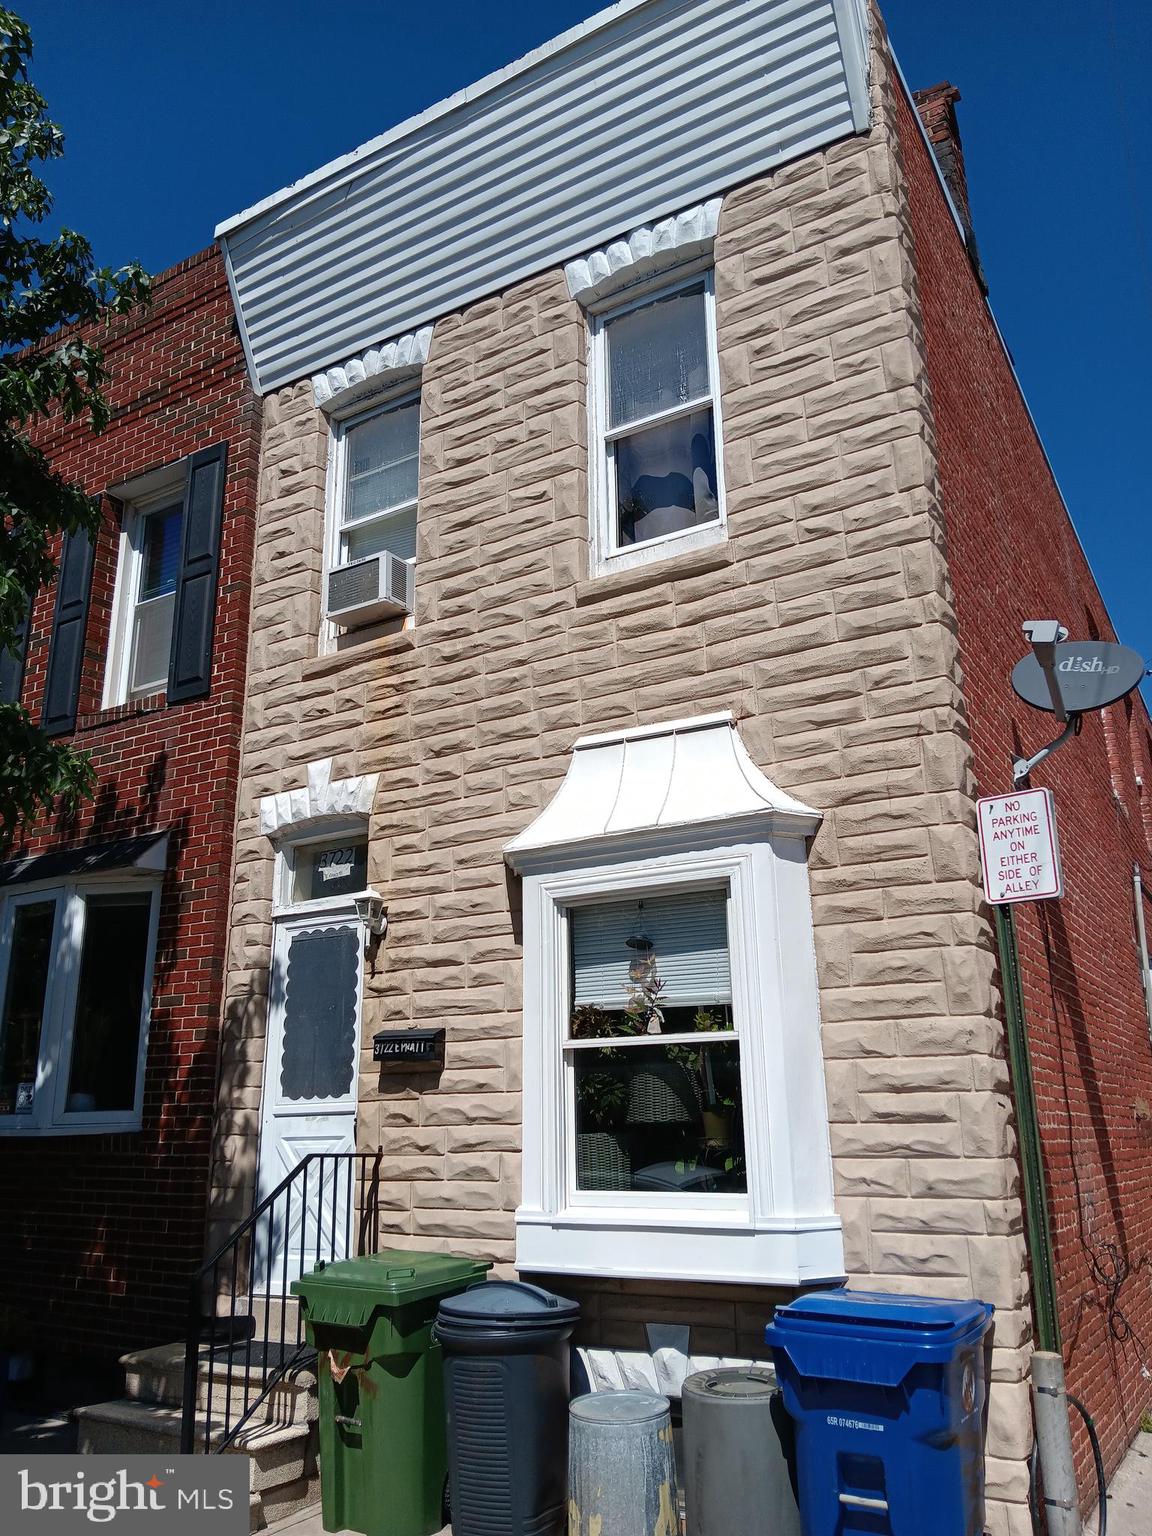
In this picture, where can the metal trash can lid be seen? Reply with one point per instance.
(508, 1304)
(619, 1407)
(732, 1382)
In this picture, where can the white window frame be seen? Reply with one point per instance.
(341, 423)
(283, 906)
(606, 556)
(785, 1230)
(49, 1115)
(124, 604)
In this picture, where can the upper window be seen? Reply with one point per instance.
(75, 980)
(146, 600)
(380, 461)
(657, 418)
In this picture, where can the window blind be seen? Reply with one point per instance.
(689, 936)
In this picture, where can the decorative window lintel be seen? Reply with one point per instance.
(651, 249)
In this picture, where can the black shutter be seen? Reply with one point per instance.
(12, 666)
(190, 670)
(69, 623)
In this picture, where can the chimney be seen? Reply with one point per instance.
(937, 109)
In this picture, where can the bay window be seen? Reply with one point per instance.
(75, 986)
(675, 1122)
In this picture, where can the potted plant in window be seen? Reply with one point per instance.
(662, 1089)
(602, 1155)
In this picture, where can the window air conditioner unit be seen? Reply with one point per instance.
(380, 587)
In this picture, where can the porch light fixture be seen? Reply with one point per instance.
(373, 917)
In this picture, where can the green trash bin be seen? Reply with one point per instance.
(383, 1456)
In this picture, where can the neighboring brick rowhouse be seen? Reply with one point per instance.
(825, 623)
(1014, 555)
(101, 1232)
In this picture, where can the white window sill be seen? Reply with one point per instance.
(724, 1246)
(663, 548)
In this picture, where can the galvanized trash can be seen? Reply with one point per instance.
(621, 1466)
(383, 1460)
(506, 1389)
(739, 1451)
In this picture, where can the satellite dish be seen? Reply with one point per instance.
(1091, 673)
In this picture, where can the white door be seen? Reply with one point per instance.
(309, 1100)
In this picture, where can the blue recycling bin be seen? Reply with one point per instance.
(887, 1393)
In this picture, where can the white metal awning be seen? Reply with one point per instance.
(685, 773)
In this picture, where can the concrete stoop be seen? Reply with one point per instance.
(281, 1441)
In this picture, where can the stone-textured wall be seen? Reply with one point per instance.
(825, 622)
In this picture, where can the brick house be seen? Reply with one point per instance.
(647, 520)
(112, 921)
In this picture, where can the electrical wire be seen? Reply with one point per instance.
(1098, 1462)
(1101, 1481)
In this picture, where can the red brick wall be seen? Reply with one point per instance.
(1013, 556)
(101, 1232)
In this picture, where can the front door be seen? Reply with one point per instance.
(309, 1100)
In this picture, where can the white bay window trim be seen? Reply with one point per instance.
(50, 1115)
(606, 552)
(593, 843)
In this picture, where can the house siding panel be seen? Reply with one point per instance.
(659, 107)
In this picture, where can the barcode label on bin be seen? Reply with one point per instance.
(837, 1421)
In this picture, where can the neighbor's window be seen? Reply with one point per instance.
(652, 1049)
(75, 978)
(380, 456)
(146, 600)
(658, 420)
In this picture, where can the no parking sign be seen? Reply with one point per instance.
(1019, 848)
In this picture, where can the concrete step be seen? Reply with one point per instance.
(157, 1376)
(281, 1454)
(287, 1502)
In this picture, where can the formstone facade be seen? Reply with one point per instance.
(825, 622)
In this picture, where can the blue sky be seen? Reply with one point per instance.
(178, 115)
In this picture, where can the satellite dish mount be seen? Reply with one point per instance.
(1069, 680)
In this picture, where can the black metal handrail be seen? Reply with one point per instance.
(229, 1350)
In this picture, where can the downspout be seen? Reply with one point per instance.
(1028, 1129)
(1142, 936)
(1050, 1399)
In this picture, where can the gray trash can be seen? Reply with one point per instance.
(739, 1455)
(506, 1391)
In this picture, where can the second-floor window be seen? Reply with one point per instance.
(657, 418)
(146, 598)
(380, 456)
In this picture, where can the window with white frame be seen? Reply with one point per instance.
(325, 867)
(75, 993)
(659, 481)
(377, 483)
(652, 1053)
(145, 598)
(675, 1120)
